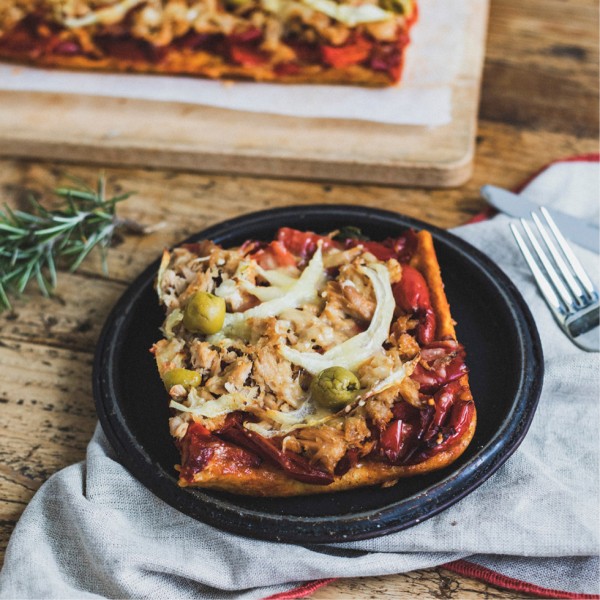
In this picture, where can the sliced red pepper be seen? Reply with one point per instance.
(389, 56)
(295, 465)
(274, 255)
(251, 34)
(379, 250)
(247, 55)
(199, 447)
(397, 440)
(194, 40)
(412, 296)
(304, 243)
(67, 48)
(352, 53)
(306, 54)
(459, 421)
(405, 245)
(444, 399)
(244, 48)
(123, 47)
(445, 360)
(287, 68)
(347, 462)
(391, 439)
(401, 248)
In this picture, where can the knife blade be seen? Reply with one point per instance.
(581, 232)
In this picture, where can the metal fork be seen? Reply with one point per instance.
(565, 286)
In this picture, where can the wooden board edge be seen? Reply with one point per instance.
(451, 174)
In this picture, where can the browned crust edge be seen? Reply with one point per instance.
(270, 481)
(425, 261)
(206, 65)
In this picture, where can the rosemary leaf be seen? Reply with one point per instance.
(33, 243)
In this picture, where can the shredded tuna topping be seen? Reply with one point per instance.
(244, 367)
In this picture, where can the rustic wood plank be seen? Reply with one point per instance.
(541, 69)
(188, 202)
(47, 419)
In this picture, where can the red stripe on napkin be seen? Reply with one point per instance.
(302, 591)
(468, 569)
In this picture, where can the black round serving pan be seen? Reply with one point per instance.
(503, 353)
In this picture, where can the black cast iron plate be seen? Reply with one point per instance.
(503, 353)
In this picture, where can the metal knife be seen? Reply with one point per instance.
(581, 232)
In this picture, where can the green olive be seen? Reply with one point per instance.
(334, 387)
(204, 313)
(183, 377)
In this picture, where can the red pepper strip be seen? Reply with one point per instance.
(399, 440)
(304, 243)
(67, 48)
(412, 295)
(252, 34)
(401, 248)
(406, 412)
(445, 363)
(274, 255)
(287, 68)
(419, 420)
(246, 55)
(347, 55)
(391, 440)
(347, 462)
(379, 250)
(458, 422)
(199, 447)
(194, 40)
(432, 380)
(405, 246)
(293, 464)
(444, 399)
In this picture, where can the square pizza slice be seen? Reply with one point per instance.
(311, 363)
(314, 41)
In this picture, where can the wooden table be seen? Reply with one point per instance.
(539, 103)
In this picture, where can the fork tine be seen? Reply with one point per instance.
(573, 261)
(547, 290)
(554, 277)
(565, 272)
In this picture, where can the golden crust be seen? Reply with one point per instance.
(268, 481)
(425, 261)
(204, 64)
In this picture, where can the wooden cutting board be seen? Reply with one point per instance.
(115, 131)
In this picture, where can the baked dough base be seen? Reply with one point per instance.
(210, 67)
(267, 480)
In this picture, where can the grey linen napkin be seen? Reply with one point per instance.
(94, 531)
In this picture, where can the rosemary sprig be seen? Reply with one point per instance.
(32, 243)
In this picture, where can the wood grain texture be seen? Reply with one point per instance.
(541, 67)
(46, 345)
(185, 136)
